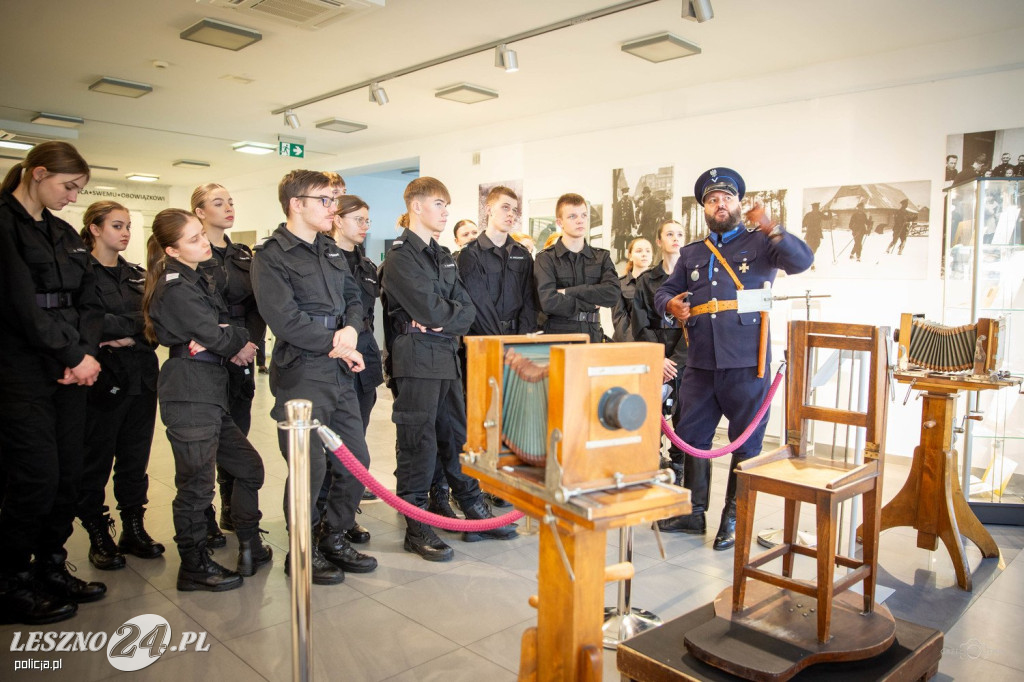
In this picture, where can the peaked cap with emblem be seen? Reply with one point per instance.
(719, 179)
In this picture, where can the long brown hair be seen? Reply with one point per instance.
(629, 252)
(200, 194)
(55, 157)
(96, 214)
(167, 229)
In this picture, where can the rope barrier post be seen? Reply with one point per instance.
(623, 621)
(298, 424)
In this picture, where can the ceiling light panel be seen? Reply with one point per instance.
(661, 48)
(59, 120)
(256, 148)
(123, 88)
(339, 125)
(189, 163)
(141, 177)
(221, 34)
(466, 93)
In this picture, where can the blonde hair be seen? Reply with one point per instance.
(629, 252)
(202, 192)
(552, 238)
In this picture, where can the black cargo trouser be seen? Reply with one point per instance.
(203, 435)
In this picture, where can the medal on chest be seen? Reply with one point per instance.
(695, 275)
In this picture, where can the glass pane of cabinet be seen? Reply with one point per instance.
(984, 277)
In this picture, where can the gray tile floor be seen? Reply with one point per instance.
(413, 620)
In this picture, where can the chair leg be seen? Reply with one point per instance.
(746, 501)
(790, 526)
(869, 553)
(826, 526)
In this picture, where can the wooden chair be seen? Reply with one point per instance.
(796, 475)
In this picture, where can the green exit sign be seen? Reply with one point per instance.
(293, 149)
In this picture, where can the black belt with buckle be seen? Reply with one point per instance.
(408, 328)
(180, 350)
(330, 321)
(237, 311)
(508, 326)
(586, 317)
(55, 299)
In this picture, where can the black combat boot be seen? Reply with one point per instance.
(324, 572)
(134, 538)
(198, 571)
(336, 548)
(726, 535)
(497, 501)
(52, 575)
(478, 511)
(691, 524)
(421, 539)
(252, 553)
(225, 507)
(24, 601)
(358, 534)
(214, 538)
(438, 502)
(103, 552)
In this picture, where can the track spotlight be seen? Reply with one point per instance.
(698, 10)
(506, 59)
(291, 120)
(377, 94)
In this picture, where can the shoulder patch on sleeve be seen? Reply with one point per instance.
(171, 276)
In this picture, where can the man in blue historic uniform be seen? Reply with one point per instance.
(728, 351)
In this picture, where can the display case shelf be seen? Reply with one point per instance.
(984, 277)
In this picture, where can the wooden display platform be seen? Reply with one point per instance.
(659, 655)
(775, 636)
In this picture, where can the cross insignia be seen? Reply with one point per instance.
(744, 267)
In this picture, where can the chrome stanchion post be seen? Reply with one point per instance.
(622, 621)
(299, 423)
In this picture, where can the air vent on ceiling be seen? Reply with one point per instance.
(309, 14)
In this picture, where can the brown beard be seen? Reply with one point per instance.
(723, 226)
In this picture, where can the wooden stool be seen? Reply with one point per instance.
(792, 473)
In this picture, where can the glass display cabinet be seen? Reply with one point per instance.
(984, 278)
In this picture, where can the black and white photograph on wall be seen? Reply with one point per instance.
(641, 200)
(542, 221)
(514, 185)
(867, 231)
(691, 217)
(985, 153)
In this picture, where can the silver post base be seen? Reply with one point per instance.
(620, 627)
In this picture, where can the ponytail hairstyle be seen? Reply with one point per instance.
(629, 252)
(55, 157)
(403, 221)
(96, 214)
(167, 229)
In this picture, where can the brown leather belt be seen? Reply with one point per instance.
(713, 306)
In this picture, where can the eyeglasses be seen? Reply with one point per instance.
(324, 201)
(359, 220)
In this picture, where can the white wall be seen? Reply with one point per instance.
(882, 118)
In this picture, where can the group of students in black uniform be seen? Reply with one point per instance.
(79, 387)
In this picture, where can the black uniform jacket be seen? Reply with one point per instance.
(421, 283)
(499, 279)
(297, 286)
(623, 310)
(230, 268)
(186, 307)
(647, 325)
(45, 257)
(365, 273)
(130, 369)
(588, 278)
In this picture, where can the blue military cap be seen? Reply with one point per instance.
(720, 179)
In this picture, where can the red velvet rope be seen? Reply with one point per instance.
(667, 429)
(349, 461)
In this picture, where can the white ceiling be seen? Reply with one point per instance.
(53, 49)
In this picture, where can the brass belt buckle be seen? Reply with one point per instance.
(713, 305)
